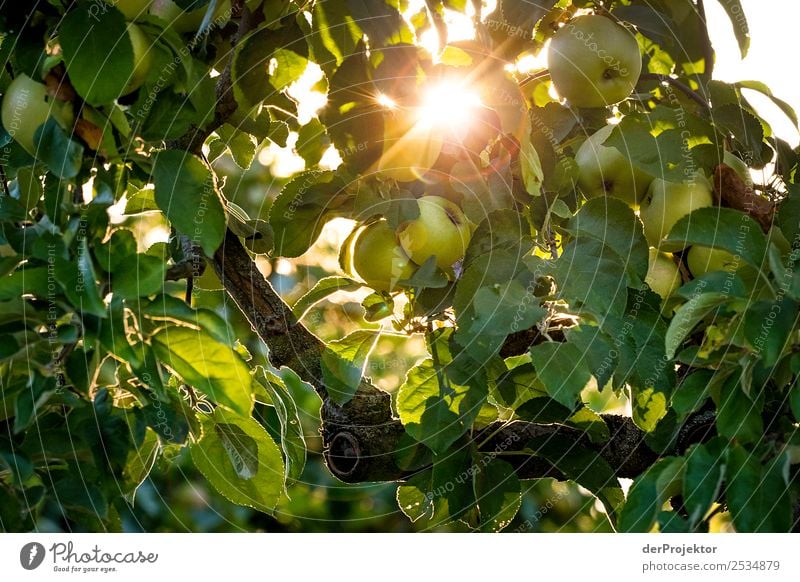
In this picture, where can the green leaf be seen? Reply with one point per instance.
(496, 312)
(241, 145)
(497, 491)
(241, 461)
(764, 89)
(747, 129)
(24, 281)
(721, 228)
(98, 52)
(144, 277)
(597, 350)
(301, 210)
(703, 476)
(354, 121)
(334, 32)
(185, 192)
(75, 493)
(441, 494)
(692, 392)
(168, 419)
(768, 326)
(140, 462)
(207, 365)
(79, 282)
(62, 155)
(378, 306)
(140, 201)
(585, 467)
(436, 414)
(649, 492)
(312, 141)
(591, 278)
(660, 156)
(739, 416)
(343, 363)
(613, 223)
(324, 288)
(788, 216)
(412, 498)
(381, 22)
(689, 315)
(255, 76)
(503, 231)
(293, 441)
(166, 307)
(242, 450)
(561, 370)
(741, 30)
(518, 386)
(758, 495)
(531, 167)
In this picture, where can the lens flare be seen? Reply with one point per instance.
(449, 104)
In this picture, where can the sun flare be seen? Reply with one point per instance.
(449, 104)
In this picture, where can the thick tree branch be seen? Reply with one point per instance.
(361, 436)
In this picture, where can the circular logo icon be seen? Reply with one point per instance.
(31, 555)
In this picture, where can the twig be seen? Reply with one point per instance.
(677, 84)
(535, 77)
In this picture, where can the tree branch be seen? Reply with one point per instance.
(677, 84)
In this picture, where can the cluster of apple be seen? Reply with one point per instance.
(27, 104)
(606, 171)
(596, 62)
(385, 258)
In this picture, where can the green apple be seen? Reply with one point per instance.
(184, 21)
(378, 259)
(441, 230)
(142, 58)
(702, 260)
(131, 9)
(663, 275)
(26, 106)
(740, 167)
(604, 171)
(593, 61)
(410, 146)
(667, 202)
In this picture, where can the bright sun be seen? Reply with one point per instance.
(448, 104)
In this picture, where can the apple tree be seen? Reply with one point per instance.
(562, 206)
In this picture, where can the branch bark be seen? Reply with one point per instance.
(731, 191)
